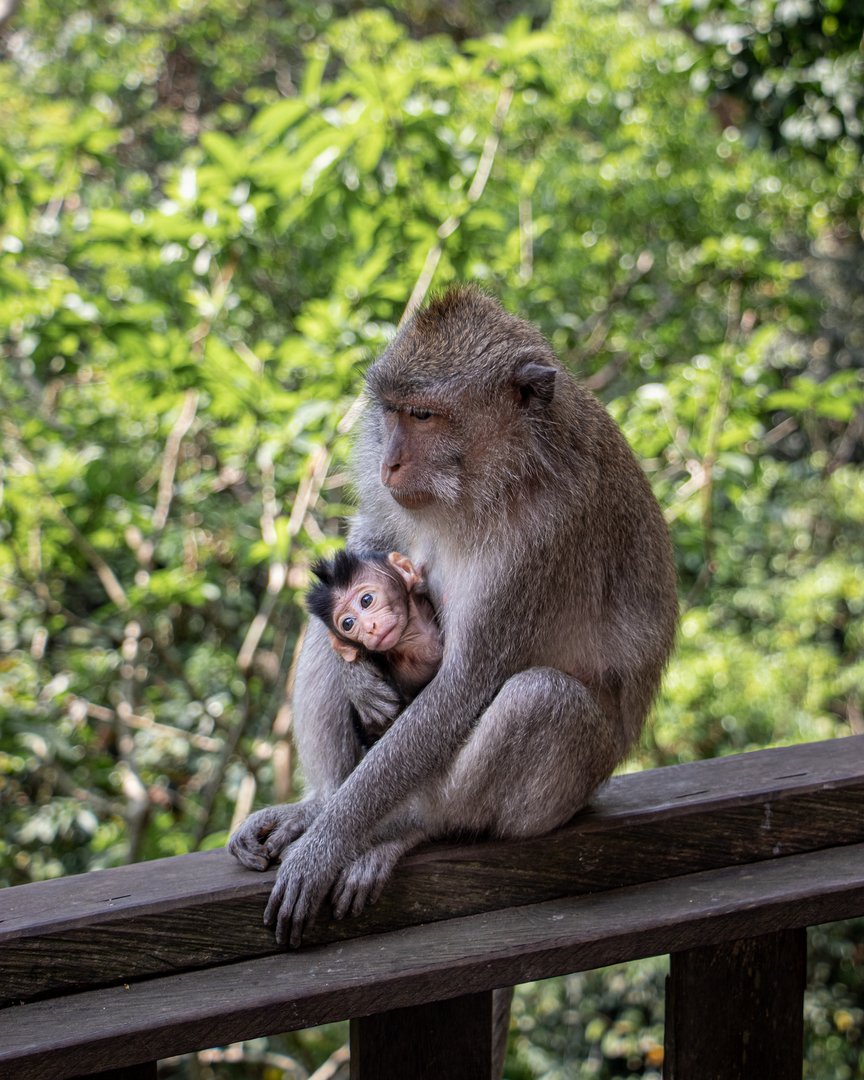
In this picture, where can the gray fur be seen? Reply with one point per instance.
(550, 566)
(375, 697)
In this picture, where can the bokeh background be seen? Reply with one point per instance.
(212, 214)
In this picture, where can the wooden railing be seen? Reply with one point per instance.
(721, 863)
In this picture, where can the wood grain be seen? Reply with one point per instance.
(736, 1011)
(144, 1021)
(451, 1039)
(146, 1071)
(195, 911)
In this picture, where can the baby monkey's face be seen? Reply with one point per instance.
(373, 610)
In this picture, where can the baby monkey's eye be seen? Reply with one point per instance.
(366, 599)
(421, 414)
(348, 624)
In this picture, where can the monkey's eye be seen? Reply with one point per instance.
(348, 624)
(421, 414)
(366, 599)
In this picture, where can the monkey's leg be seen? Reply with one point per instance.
(535, 757)
(326, 741)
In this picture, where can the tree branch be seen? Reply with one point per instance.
(475, 190)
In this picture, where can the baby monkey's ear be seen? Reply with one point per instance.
(411, 577)
(346, 651)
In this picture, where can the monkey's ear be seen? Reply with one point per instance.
(405, 569)
(534, 382)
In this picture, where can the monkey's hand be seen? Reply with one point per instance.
(377, 702)
(305, 877)
(264, 835)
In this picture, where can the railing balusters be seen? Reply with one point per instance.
(735, 1011)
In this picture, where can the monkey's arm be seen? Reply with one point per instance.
(325, 688)
(376, 700)
(328, 747)
(420, 745)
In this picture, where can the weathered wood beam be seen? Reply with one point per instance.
(147, 1071)
(145, 1021)
(195, 911)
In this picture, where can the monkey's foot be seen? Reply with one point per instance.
(361, 882)
(264, 835)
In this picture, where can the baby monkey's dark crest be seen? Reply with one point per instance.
(336, 574)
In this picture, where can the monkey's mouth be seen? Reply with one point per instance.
(388, 639)
(412, 500)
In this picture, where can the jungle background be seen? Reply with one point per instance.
(214, 212)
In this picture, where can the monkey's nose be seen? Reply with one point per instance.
(387, 473)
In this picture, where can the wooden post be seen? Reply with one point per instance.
(451, 1039)
(735, 1011)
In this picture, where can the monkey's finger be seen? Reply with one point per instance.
(277, 899)
(341, 898)
(296, 934)
(289, 928)
(264, 828)
(282, 838)
(305, 910)
(361, 895)
(345, 893)
(286, 912)
(377, 888)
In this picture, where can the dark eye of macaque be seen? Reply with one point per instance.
(421, 414)
(366, 599)
(348, 624)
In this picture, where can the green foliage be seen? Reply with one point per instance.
(794, 69)
(212, 214)
(603, 1024)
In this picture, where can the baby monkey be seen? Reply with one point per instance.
(376, 609)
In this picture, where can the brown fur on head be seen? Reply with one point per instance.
(462, 340)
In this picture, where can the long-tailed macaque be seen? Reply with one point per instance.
(375, 608)
(549, 563)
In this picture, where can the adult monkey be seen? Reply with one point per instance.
(550, 565)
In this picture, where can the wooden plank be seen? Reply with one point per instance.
(194, 911)
(450, 1038)
(147, 1071)
(52, 1040)
(736, 1011)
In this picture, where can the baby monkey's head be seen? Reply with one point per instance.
(362, 598)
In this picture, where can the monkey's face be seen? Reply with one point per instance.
(420, 459)
(462, 398)
(372, 612)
